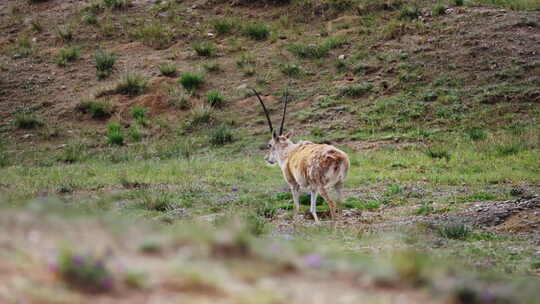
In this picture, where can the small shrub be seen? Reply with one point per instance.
(201, 114)
(221, 136)
(438, 152)
(205, 49)
(335, 42)
(255, 224)
(132, 84)
(90, 18)
(424, 209)
(183, 149)
(72, 152)
(135, 133)
(93, 8)
(454, 230)
(506, 149)
(459, 2)
(157, 200)
(310, 51)
(23, 48)
(191, 81)
(481, 197)
(410, 13)
(168, 69)
(156, 35)
(245, 59)
(104, 63)
(256, 31)
(291, 70)
(341, 65)
(151, 247)
(315, 51)
(355, 203)
(135, 280)
(476, 133)
(84, 272)
(116, 4)
(139, 114)
(36, 26)
(65, 33)
(67, 55)
(355, 90)
(439, 9)
(393, 189)
(4, 158)
(26, 121)
(114, 134)
(212, 67)
(97, 109)
(215, 98)
(179, 99)
(223, 26)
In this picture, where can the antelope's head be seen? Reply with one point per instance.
(279, 145)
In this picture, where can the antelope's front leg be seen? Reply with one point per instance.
(296, 198)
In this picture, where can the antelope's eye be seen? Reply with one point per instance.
(269, 146)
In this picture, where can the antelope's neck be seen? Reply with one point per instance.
(284, 155)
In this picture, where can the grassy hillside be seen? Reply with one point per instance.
(138, 112)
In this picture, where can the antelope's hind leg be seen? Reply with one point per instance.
(339, 193)
(313, 207)
(331, 203)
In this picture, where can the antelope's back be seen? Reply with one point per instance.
(312, 165)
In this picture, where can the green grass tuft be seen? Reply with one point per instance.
(168, 69)
(221, 135)
(67, 55)
(114, 134)
(191, 81)
(215, 98)
(27, 121)
(132, 84)
(256, 31)
(205, 49)
(454, 230)
(104, 63)
(65, 33)
(154, 35)
(96, 108)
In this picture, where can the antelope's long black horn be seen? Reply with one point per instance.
(284, 111)
(265, 111)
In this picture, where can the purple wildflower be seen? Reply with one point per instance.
(78, 260)
(53, 267)
(235, 189)
(106, 283)
(313, 260)
(287, 237)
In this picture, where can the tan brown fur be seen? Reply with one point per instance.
(312, 167)
(305, 165)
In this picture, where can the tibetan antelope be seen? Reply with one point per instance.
(307, 166)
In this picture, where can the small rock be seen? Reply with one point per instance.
(242, 86)
(210, 34)
(341, 57)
